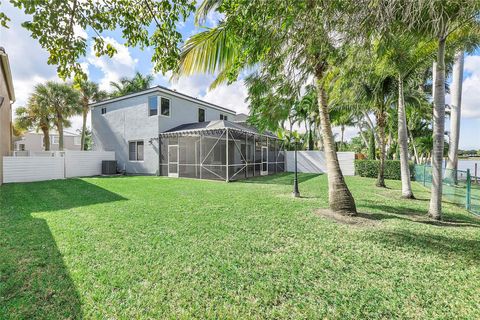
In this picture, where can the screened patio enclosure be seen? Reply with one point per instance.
(219, 150)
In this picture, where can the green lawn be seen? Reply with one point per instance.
(150, 247)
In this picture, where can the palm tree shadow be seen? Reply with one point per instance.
(440, 245)
(35, 280)
(417, 216)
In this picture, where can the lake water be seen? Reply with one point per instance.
(469, 164)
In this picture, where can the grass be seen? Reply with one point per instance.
(151, 247)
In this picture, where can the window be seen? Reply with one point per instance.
(22, 147)
(54, 139)
(77, 140)
(201, 115)
(223, 117)
(104, 110)
(165, 107)
(135, 151)
(152, 106)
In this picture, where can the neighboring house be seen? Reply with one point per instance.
(132, 126)
(7, 97)
(33, 142)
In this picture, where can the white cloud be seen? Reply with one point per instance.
(122, 64)
(471, 88)
(229, 96)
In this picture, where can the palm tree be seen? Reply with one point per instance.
(127, 85)
(62, 101)
(405, 54)
(35, 116)
(217, 51)
(342, 118)
(438, 20)
(89, 93)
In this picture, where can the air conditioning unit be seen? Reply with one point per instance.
(109, 167)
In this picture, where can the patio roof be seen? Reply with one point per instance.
(212, 126)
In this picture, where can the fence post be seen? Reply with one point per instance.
(424, 173)
(469, 188)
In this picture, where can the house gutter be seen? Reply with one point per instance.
(7, 74)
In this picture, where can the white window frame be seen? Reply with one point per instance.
(136, 150)
(101, 111)
(148, 106)
(160, 107)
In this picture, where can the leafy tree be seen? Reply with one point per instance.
(36, 115)
(62, 101)
(54, 24)
(287, 54)
(126, 85)
(89, 93)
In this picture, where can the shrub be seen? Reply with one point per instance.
(369, 169)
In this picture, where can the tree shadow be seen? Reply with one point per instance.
(417, 216)
(283, 178)
(440, 245)
(34, 281)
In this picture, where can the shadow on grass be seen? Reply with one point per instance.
(283, 178)
(35, 282)
(418, 216)
(440, 245)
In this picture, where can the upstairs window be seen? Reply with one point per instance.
(135, 150)
(223, 117)
(104, 110)
(152, 106)
(201, 115)
(165, 107)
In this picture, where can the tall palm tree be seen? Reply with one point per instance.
(62, 101)
(217, 51)
(438, 20)
(342, 118)
(127, 85)
(35, 116)
(406, 55)
(466, 40)
(89, 93)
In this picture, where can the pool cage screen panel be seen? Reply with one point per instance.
(222, 154)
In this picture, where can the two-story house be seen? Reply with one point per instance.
(164, 132)
(7, 97)
(130, 125)
(33, 141)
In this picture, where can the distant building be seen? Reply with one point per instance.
(33, 142)
(7, 97)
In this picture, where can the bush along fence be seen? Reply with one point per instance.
(458, 186)
(369, 169)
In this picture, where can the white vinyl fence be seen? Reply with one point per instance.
(54, 165)
(314, 162)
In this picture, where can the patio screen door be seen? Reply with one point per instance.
(173, 161)
(264, 168)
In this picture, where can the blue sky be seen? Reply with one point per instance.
(29, 67)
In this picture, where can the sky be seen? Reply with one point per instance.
(29, 66)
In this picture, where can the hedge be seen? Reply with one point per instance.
(369, 169)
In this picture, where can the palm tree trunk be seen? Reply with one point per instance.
(381, 123)
(455, 113)
(362, 135)
(372, 127)
(435, 210)
(84, 123)
(339, 197)
(415, 152)
(46, 137)
(341, 138)
(60, 131)
(403, 143)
